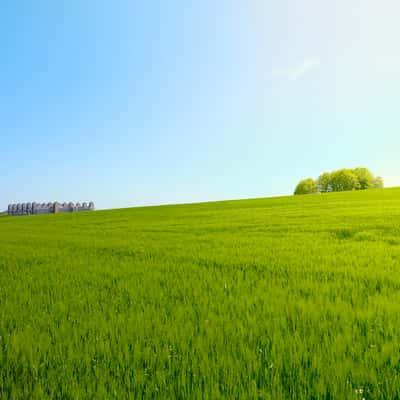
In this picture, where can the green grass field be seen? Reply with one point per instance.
(283, 298)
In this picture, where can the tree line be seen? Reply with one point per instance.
(339, 181)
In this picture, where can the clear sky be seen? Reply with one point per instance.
(128, 103)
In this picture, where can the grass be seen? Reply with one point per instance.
(293, 297)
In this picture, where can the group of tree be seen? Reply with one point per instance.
(339, 181)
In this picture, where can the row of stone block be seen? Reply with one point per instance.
(48, 208)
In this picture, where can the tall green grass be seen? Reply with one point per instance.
(292, 297)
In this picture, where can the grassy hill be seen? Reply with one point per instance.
(292, 297)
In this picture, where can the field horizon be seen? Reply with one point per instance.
(268, 298)
(278, 196)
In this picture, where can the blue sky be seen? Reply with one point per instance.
(128, 103)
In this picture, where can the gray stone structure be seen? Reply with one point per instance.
(48, 208)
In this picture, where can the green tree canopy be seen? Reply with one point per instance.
(343, 179)
(378, 183)
(338, 181)
(365, 178)
(306, 186)
(324, 182)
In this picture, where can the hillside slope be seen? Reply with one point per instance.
(291, 297)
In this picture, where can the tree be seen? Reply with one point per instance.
(364, 177)
(344, 179)
(324, 182)
(338, 181)
(378, 183)
(306, 186)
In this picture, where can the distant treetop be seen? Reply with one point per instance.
(338, 181)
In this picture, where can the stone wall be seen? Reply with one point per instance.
(48, 208)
